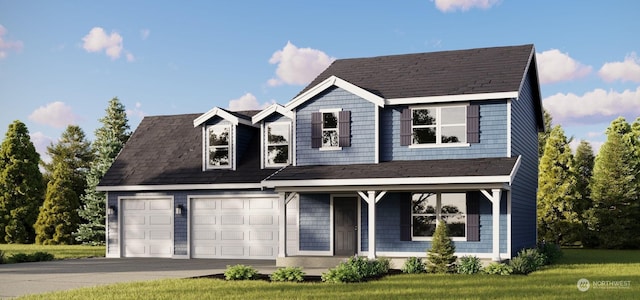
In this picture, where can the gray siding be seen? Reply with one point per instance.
(180, 222)
(362, 148)
(315, 226)
(493, 136)
(524, 188)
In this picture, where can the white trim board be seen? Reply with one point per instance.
(451, 98)
(180, 187)
(222, 114)
(386, 181)
(335, 81)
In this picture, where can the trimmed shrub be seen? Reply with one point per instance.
(357, 269)
(527, 261)
(291, 274)
(33, 257)
(440, 258)
(497, 269)
(469, 265)
(551, 251)
(240, 272)
(413, 265)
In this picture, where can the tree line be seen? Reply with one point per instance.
(588, 200)
(56, 202)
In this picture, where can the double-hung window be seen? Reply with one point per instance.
(330, 129)
(439, 125)
(278, 144)
(219, 146)
(429, 208)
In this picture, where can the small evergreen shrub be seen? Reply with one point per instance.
(240, 272)
(413, 265)
(551, 251)
(440, 258)
(290, 274)
(527, 261)
(469, 265)
(497, 269)
(357, 269)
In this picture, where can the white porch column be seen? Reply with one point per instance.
(372, 224)
(494, 197)
(282, 225)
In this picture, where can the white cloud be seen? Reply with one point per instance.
(593, 106)
(627, 70)
(463, 5)
(595, 145)
(41, 142)
(56, 114)
(247, 102)
(136, 112)
(298, 65)
(555, 66)
(130, 57)
(97, 41)
(144, 34)
(8, 45)
(593, 134)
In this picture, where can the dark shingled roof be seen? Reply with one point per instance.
(167, 150)
(501, 166)
(473, 71)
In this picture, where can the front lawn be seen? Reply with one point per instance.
(58, 251)
(555, 282)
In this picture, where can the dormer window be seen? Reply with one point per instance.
(219, 146)
(278, 144)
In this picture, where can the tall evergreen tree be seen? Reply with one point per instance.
(110, 138)
(613, 219)
(58, 217)
(583, 162)
(544, 135)
(558, 220)
(21, 185)
(74, 151)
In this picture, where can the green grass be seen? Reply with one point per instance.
(58, 251)
(554, 282)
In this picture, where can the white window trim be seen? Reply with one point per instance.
(438, 218)
(337, 130)
(438, 126)
(266, 144)
(231, 146)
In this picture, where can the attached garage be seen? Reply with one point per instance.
(233, 227)
(147, 227)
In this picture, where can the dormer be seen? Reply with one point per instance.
(276, 128)
(220, 137)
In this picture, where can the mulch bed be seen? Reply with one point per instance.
(307, 278)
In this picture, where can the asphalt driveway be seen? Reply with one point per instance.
(40, 277)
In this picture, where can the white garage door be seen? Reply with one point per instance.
(147, 227)
(234, 228)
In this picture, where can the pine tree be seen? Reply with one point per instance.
(613, 219)
(110, 139)
(557, 198)
(58, 217)
(544, 135)
(583, 162)
(21, 185)
(441, 258)
(74, 151)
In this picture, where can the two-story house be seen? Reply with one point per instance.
(364, 160)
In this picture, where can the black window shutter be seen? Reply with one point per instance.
(473, 217)
(344, 128)
(405, 127)
(473, 124)
(405, 216)
(316, 130)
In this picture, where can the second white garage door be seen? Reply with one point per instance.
(240, 227)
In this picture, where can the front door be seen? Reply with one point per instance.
(345, 225)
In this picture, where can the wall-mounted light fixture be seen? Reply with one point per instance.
(112, 210)
(179, 209)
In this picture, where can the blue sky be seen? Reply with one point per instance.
(62, 61)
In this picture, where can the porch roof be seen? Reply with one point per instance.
(499, 170)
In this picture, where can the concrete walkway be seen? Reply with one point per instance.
(41, 277)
